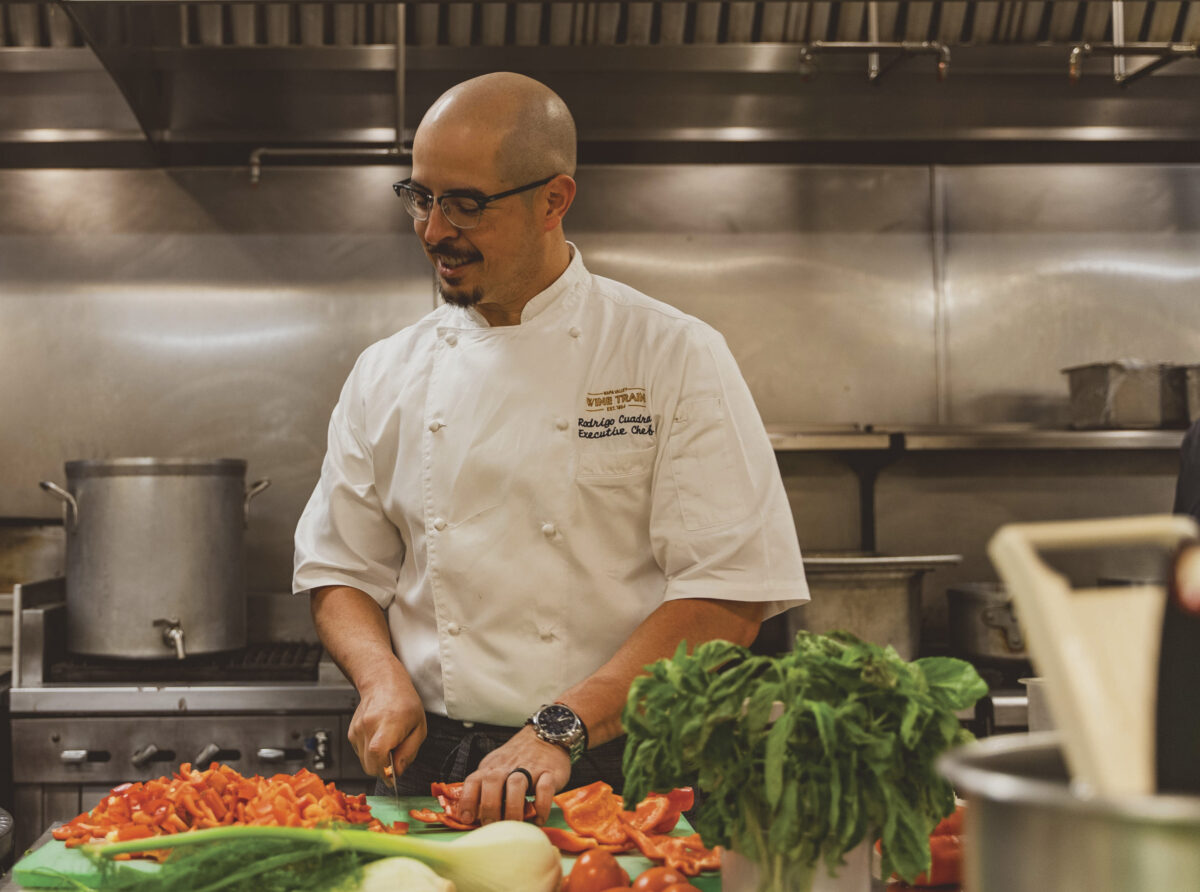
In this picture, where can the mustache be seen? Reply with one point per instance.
(449, 253)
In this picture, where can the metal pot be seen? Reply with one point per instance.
(876, 597)
(982, 626)
(154, 560)
(1028, 832)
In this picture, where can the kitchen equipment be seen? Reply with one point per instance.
(82, 725)
(30, 548)
(876, 597)
(1097, 649)
(1038, 710)
(982, 624)
(1028, 830)
(1177, 720)
(154, 560)
(1126, 393)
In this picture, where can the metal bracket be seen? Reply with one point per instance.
(1166, 53)
(904, 49)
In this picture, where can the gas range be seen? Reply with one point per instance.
(83, 725)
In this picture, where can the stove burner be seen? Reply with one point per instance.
(267, 662)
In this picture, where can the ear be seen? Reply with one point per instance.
(559, 194)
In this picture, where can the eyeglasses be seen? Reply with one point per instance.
(462, 210)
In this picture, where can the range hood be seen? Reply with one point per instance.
(139, 81)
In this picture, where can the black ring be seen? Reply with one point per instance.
(528, 779)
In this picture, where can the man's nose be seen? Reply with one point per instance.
(437, 227)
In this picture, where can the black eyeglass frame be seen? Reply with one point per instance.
(406, 186)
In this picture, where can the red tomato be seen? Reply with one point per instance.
(657, 879)
(680, 887)
(596, 871)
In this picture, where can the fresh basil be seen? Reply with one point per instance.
(851, 754)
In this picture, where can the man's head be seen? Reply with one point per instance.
(486, 136)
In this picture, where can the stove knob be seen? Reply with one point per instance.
(271, 754)
(321, 750)
(73, 757)
(206, 755)
(143, 756)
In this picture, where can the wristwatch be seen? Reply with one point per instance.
(558, 724)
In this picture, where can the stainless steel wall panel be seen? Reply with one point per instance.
(820, 278)
(145, 314)
(953, 502)
(1048, 267)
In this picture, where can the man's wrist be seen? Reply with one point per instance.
(559, 724)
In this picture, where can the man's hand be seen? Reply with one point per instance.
(496, 790)
(389, 717)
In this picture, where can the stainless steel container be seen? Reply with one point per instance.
(1027, 831)
(1126, 393)
(876, 597)
(982, 626)
(154, 561)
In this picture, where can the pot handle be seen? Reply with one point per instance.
(255, 488)
(70, 506)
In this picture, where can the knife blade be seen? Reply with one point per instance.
(395, 777)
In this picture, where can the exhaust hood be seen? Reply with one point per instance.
(165, 83)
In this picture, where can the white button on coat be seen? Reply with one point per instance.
(548, 530)
(436, 426)
(439, 524)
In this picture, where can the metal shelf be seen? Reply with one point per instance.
(984, 438)
(826, 440)
(786, 439)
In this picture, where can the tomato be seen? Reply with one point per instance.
(596, 871)
(680, 887)
(657, 879)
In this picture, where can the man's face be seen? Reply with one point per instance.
(491, 262)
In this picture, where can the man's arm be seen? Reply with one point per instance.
(599, 701)
(390, 715)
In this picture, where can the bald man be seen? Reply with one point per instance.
(543, 486)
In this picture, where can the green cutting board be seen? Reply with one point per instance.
(45, 867)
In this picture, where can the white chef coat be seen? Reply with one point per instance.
(519, 498)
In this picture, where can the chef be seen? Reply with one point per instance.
(535, 491)
(1187, 485)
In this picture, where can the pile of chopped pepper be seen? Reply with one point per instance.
(217, 797)
(598, 820)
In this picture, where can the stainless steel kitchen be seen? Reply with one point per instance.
(952, 247)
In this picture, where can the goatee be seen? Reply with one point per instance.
(460, 298)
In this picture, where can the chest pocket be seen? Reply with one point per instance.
(604, 468)
(712, 487)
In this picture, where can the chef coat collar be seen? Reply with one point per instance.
(573, 275)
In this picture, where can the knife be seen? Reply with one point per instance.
(1177, 719)
(395, 779)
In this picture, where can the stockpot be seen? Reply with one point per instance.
(1029, 830)
(154, 555)
(982, 625)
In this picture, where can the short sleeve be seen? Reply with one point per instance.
(721, 524)
(344, 537)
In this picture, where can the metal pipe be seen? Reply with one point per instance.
(401, 65)
(260, 154)
(873, 37)
(1118, 29)
(1166, 53)
(904, 49)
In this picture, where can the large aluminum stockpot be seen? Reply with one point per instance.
(154, 561)
(1028, 831)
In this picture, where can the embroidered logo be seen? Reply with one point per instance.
(619, 412)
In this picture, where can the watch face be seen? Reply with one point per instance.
(557, 720)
